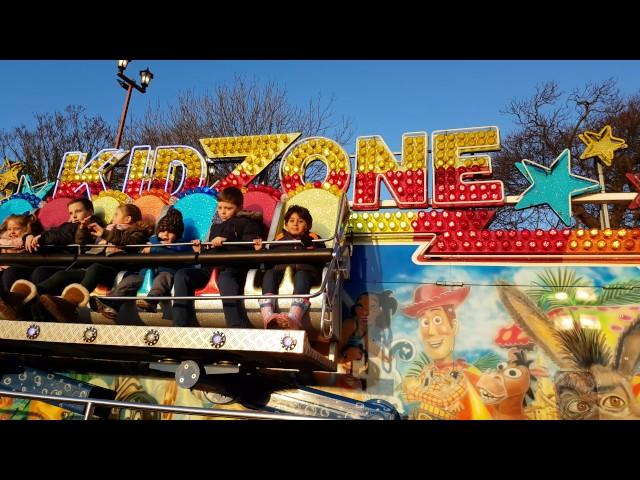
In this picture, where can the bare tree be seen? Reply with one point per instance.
(551, 121)
(238, 109)
(42, 146)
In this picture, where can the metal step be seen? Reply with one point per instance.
(289, 349)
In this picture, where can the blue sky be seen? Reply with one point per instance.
(380, 97)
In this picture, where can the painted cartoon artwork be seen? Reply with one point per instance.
(454, 342)
(445, 388)
(507, 385)
(474, 353)
(594, 380)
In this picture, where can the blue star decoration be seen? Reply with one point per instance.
(553, 186)
(40, 190)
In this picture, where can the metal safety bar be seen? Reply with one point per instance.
(338, 233)
(91, 403)
(237, 297)
(169, 245)
(182, 244)
(524, 256)
(178, 244)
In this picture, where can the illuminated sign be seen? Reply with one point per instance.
(445, 196)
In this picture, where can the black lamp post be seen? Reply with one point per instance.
(125, 82)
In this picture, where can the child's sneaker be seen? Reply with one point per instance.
(146, 306)
(281, 321)
(102, 308)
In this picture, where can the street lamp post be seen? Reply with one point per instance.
(128, 84)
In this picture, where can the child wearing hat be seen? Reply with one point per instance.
(169, 230)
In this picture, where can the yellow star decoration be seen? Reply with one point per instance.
(602, 144)
(10, 175)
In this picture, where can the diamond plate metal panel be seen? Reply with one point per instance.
(283, 342)
(169, 337)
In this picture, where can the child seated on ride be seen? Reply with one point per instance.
(297, 226)
(79, 209)
(12, 231)
(169, 230)
(237, 226)
(126, 228)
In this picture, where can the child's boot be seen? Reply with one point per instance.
(22, 292)
(65, 308)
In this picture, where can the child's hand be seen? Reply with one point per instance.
(218, 241)
(146, 250)
(257, 244)
(307, 241)
(96, 230)
(32, 243)
(84, 222)
(196, 245)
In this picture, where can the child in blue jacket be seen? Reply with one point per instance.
(169, 230)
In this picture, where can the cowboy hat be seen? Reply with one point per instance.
(432, 296)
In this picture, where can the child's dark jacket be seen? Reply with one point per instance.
(306, 245)
(246, 226)
(65, 234)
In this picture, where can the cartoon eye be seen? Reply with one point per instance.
(425, 322)
(437, 320)
(578, 407)
(512, 373)
(501, 366)
(613, 402)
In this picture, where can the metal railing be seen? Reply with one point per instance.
(338, 235)
(91, 403)
(323, 286)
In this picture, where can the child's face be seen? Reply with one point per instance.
(296, 225)
(167, 237)
(121, 218)
(77, 212)
(15, 229)
(227, 210)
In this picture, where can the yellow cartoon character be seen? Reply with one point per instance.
(444, 388)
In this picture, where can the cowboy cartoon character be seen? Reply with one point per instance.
(445, 388)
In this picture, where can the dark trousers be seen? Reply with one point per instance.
(89, 278)
(37, 275)
(11, 274)
(129, 286)
(20, 272)
(230, 282)
(302, 281)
